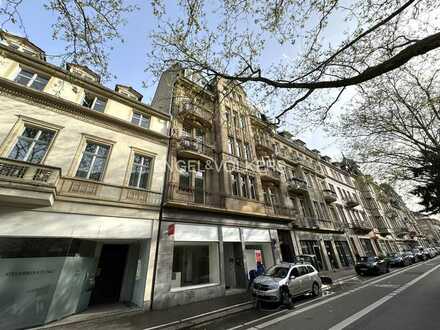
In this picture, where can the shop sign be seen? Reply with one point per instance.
(258, 256)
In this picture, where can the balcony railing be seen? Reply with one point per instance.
(193, 148)
(384, 231)
(28, 173)
(278, 210)
(189, 110)
(74, 187)
(329, 196)
(390, 213)
(19, 176)
(297, 185)
(317, 224)
(361, 226)
(263, 146)
(351, 202)
(269, 173)
(189, 196)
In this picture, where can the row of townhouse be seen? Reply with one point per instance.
(104, 199)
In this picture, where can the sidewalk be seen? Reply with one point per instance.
(174, 318)
(340, 274)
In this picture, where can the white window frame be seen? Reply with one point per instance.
(34, 141)
(149, 166)
(34, 77)
(141, 117)
(95, 97)
(95, 155)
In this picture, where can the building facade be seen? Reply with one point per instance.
(430, 228)
(81, 177)
(104, 199)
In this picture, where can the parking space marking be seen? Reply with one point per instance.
(353, 318)
(326, 300)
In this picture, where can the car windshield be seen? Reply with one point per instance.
(277, 271)
(368, 259)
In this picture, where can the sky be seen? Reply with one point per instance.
(128, 60)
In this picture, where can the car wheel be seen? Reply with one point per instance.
(316, 291)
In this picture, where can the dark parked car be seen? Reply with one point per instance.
(410, 256)
(371, 266)
(419, 255)
(400, 260)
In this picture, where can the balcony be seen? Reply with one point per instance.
(188, 147)
(189, 111)
(384, 231)
(297, 185)
(194, 197)
(27, 183)
(351, 202)
(263, 146)
(401, 231)
(317, 224)
(314, 167)
(269, 173)
(361, 227)
(108, 194)
(277, 210)
(391, 213)
(329, 196)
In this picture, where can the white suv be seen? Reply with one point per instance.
(299, 278)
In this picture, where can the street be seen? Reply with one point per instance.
(407, 298)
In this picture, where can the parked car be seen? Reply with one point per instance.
(410, 256)
(300, 278)
(400, 259)
(431, 252)
(371, 266)
(418, 255)
(307, 258)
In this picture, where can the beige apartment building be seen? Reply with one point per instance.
(81, 177)
(430, 228)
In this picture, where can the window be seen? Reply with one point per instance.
(231, 146)
(332, 187)
(140, 171)
(235, 188)
(31, 79)
(247, 151)
(32, 145)
(93, 161)
(242, 122)
(94, 102)
(239, 149)
(140, 119)
(195, 263)
(184, 176)
(252, 189)
(235, 118)
(244, 186)
(317, 209)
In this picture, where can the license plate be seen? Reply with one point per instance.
(363, 268)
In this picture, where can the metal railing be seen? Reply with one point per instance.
(329, 195)
(297, 184)
(270, 172)
(188, 108)
(19, 171)
(191, 196)
(278, 210)
(75, 187)
(191, 144)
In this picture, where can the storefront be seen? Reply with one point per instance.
(201, 261)
(345, 255)
(68, 263)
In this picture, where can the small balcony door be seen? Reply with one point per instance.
(199, 187)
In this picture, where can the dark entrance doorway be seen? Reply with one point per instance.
(331, 254)
(235, 277)
(109, 274)
(286, 246)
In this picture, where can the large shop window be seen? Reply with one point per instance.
(195, 263)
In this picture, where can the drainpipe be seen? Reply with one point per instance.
(164, 191)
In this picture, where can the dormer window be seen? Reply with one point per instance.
(31, 79)
(94, 102)
(140, 119)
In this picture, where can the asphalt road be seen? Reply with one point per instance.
(407, 298)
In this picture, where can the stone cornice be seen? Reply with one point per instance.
(54, 103)
(63, 74)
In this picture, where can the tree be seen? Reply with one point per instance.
(86, 26)
(328, 44)
(393, 128)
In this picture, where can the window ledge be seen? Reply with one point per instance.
(192, 287)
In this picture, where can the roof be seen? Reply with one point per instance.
(135, 93)
(84, 68)
(6, 35)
